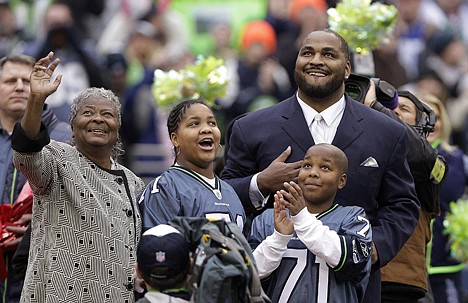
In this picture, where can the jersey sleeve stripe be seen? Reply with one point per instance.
(344, 254)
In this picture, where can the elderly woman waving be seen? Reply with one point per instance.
(85, 225)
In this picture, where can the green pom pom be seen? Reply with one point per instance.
(456, 227)
(207, 78)
(362, 24)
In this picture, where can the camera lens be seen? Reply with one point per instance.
(356, 87)
(353, 90)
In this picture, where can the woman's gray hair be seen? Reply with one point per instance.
(95, 92)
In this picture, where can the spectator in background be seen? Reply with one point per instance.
(386, 64)
(139, 51)
(80, 66)
(117, 68)
(431, 83)
(9, 34)
(450, 15)
(172, 37)
(221, 31)
(143, 124)
(158, 41)
(410, 35)
(445, 272)
(259, 75)
(117, 71)
(278, 16)
(29, 16)
(305, 16)
(447, 58)
(85, 13)
(298, 6)
(116, 23)
(15, 71)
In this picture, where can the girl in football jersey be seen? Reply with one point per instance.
(190, 187)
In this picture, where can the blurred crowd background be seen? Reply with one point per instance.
(118, 44)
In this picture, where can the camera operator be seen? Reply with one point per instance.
(404, 279)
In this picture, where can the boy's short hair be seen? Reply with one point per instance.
(163, 256)
(338, 154)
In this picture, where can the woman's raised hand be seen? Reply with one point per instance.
(41, 88)
(41, 76)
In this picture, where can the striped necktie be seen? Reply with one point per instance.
(317, 130)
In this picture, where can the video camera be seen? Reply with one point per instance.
(356, 87)
(426, 120)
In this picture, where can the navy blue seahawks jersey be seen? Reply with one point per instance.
(181, 192)
(304, 277)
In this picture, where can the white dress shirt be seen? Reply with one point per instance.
(331, 119)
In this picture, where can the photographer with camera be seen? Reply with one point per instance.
(404, 279)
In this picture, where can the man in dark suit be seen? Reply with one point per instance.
(266, 148)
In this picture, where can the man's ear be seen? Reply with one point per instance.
(347, 69)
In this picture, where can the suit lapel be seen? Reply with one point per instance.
(349, 128)
(295, 125)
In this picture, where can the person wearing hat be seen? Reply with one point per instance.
(163, 262)
(258, 72)
(404, 278)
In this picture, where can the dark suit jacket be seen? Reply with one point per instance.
(385, 192)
